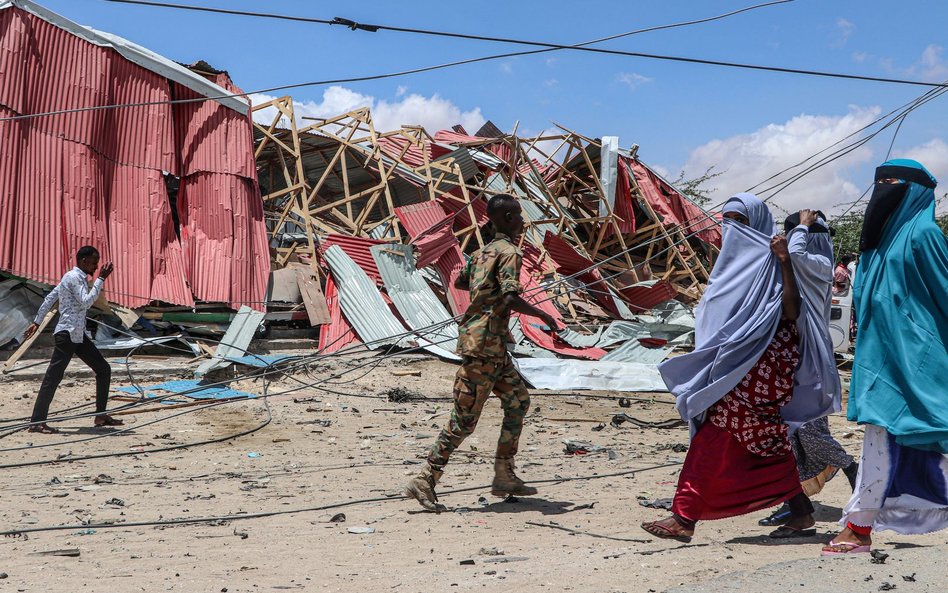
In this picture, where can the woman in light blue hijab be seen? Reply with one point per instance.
(899, 388)
(735, 388)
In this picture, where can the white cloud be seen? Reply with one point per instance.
(932, 154)
(844, 30)
(506, 67)
(932, 65)
(632, 79)
(434, 112)
(860, 57)
(401, 90)
(550, 83)
(748, 159)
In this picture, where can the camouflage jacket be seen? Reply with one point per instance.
(493, 272)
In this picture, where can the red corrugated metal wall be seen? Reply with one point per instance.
(95, 177)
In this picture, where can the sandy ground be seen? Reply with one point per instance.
(580, 534)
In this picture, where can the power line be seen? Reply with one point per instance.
(577, 47)
(370, 77)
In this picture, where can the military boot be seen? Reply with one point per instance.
(422, 489)
(506, 482)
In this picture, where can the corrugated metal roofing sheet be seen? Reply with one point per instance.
(419, 218)
(357, 248)
(568, 262)
(95, 177)
(646, 295)
(430, 229)
(414, 299)
(338, 334)
(674, 208)
(362, 304)
(235, 342)
(132, 52)
(538, 297)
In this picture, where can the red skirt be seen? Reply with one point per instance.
(721, 478)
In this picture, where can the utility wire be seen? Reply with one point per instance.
(548, 46)
(578, 47)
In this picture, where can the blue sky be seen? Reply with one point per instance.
(683, 116)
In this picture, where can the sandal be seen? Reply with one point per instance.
(43, 429)
(785, 532)
(106, 420)
(658, 530)
(845, 548)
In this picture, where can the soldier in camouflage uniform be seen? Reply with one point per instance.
(493, 277)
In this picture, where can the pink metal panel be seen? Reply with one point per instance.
(539, 298)
(144, 135)
(644, 298)
(212, 138)
(338, 334)
(95, 177)
(149, 261)
(14, 60)
(674, 208)
(358, 249)
(394, 146)
(569, 262)
(430, 229)
(426, 217)
(457, 139)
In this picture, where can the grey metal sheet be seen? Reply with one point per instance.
(365, 309)
(414, 299)
(18, 305)
(578, 340)
(634, 351)
(235, 342)
(621, 331)
(564, 373)
(608, 172)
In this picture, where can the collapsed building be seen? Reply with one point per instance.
(606, 238)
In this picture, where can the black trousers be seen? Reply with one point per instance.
(87, 353)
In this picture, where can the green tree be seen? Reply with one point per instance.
(695, 188)
(849, 227)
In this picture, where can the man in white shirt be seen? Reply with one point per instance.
(75, 298)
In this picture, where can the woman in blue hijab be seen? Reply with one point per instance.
(735, 387)
(900, 372)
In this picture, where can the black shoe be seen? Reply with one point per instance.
(779, 517)
(851, 472)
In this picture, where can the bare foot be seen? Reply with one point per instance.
(846, 540)
(669, 528)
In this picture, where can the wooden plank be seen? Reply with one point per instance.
(313, 298)
(8, 364)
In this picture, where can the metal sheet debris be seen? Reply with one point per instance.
(597, 375)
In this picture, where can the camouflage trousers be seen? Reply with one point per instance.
(475, 381)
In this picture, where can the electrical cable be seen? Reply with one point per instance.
(376, 27)
(551, 46)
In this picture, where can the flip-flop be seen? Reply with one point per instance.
(664, 532)
(786, 532)
(850, 548)
(43, 429)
